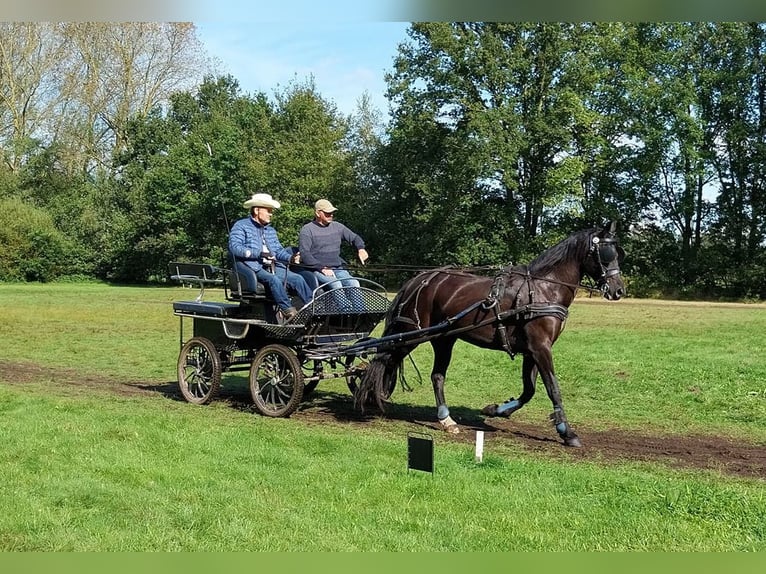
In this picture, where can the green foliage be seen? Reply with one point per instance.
(9, 181)
(556, 127)
(31, 248)
(186, 173)
(504, 138)
(491, 140)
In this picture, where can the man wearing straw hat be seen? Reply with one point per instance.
(254, 242)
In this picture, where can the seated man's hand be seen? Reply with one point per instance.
(363, 256)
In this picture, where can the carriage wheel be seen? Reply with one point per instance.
(276, 381)
(352, 381)
(199, 370)
(316, 368)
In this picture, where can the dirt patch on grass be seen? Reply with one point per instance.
(708, 452)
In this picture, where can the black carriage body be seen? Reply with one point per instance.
(220, 322)
(246, 333)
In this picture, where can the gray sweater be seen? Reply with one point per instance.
(320, 246)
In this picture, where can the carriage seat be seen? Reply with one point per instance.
(207, 308)
(243, 283)
(194, 273)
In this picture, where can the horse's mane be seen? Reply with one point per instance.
(574, 247)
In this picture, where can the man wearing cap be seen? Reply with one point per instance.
(253, 242)
(319, 244)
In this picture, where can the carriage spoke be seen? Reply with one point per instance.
(199, 370)
(276, 381)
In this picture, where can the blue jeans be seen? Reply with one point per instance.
(346, 299)
(274, 282)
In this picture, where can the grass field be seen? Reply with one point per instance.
(89, 465)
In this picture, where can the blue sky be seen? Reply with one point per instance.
(345, 58)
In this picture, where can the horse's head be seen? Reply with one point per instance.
(602, 263)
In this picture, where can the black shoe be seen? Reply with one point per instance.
(290, 313)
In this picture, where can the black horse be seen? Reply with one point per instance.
(522, 311)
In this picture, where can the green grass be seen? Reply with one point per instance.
(92, 470)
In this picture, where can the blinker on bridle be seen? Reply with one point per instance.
(613, 268)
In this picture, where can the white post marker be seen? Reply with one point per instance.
(479, 445)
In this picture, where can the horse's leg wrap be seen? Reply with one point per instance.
(564, 429)
(449, 425)
(504, 410)
(508, 407)
(557, 416)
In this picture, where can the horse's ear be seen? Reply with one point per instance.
(610, 228)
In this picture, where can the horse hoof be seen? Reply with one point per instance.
(490, 410)
(449, 425)
(573, 442)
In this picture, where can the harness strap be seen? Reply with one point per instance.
(534, 310)
(491, 302)
(503, 332)
(416, 295)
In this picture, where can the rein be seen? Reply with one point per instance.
(453, 270)
(526, 313)
(384, 268)
(573, 286)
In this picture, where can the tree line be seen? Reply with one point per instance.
(123, 149)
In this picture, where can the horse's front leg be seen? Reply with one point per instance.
(528, 379)
(442, 357)
(545, 364)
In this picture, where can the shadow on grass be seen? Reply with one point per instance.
(335, 406)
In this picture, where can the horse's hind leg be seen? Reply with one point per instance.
(442, 357)
(528, 378)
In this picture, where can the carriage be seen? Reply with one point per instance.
(329, 338)
(522, 310)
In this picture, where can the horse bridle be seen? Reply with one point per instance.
(613, 266)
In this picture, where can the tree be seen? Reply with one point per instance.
(31, 56)
(359, 198)
(31, 248)
(501, 104)
(123, 70)
(734, 107)
(306, 159)
(77, 84)
(666, 161)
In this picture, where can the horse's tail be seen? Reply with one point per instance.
(379, 380)
(381, 375)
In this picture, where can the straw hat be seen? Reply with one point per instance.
(262, 200)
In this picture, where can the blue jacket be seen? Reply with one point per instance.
(246, 240)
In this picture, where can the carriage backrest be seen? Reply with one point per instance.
(242, 282)
(194, 273)
(200, 274)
